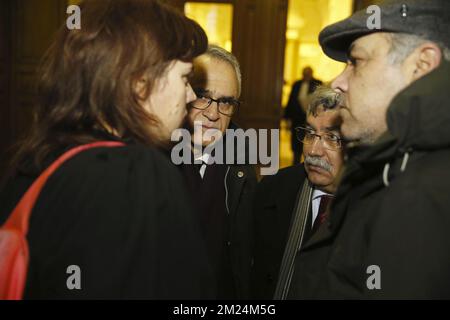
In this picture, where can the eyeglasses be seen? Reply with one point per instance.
(329, 140)
(225, 106)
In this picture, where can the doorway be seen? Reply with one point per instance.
(306, 18)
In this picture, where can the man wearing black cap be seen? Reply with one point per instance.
(389, 228)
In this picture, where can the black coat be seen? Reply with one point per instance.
(121, 215)
(393, 208)
(274, 204)
(237, 182)
(241, 184)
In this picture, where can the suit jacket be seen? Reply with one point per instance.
(239, 183)
(274, 204)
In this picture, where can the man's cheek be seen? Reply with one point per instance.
(225, 125)
(192, 116)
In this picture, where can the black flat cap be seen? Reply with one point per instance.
(427, 18)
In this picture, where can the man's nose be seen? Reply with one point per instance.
(317, 148)
(212, 112)
(340, 84)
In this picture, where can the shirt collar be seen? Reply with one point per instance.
(318, 193)
(205, 158)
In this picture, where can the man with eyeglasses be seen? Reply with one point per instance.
(222, 193)
(281, 227)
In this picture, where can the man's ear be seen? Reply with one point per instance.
(425, 59)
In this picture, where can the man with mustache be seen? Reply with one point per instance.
(295, 110)
(277, 201)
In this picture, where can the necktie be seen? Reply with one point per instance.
(323, 211)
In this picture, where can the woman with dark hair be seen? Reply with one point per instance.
(118, 215)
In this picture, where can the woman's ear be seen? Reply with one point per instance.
(141, 87)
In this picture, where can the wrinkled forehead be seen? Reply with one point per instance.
(324, 119)
(371, 44)
(215, 76)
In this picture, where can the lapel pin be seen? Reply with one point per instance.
(404, 11)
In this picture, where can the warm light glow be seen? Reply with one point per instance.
(215, 18)
(306, 18)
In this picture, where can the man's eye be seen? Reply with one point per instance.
(225, 101)
(354, 61)
(202, 97)
(351, 61)
(332, 137)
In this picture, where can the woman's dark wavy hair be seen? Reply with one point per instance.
(88, 76)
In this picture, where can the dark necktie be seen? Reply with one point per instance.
(323, 211)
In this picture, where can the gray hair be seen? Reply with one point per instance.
(403, 44)
(323, 96)
(223, 55)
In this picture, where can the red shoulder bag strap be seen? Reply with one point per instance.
(14, 255)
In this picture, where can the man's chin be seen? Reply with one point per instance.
(318, 176)
(321, 184)
(202, 143)
(354, 135)
(316, 170)
(348, 124)
(206, 143)
(349, 131)
(346, 134)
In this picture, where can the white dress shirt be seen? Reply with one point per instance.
(205, 158)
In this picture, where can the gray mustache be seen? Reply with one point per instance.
(318, 162)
